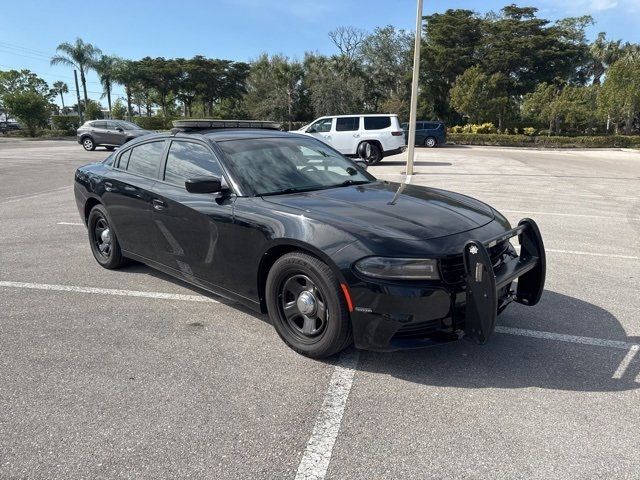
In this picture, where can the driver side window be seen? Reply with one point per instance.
(322, 126)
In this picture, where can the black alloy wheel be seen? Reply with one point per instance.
(369, 152)
(103, 240)
(307, 307)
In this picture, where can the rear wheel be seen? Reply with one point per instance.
(103, 240)
(369, 152)
(88, 144)
(306, 306)
(430, 142)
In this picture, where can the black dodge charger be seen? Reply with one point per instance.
(285, 224)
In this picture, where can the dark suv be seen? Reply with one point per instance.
(109, 133)
(428, 133)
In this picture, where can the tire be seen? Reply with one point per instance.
(88, 144)
(111, 148)
(297, 279)
(430, 142)
(370, 152)
(105, 247)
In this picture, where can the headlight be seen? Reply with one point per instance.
(399, 268)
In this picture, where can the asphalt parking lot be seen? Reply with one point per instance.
(129, 373)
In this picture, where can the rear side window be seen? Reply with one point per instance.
(145, 159)
(188, 160)
(347, 124)
(99, 124)
(432, 125)
(376, 123)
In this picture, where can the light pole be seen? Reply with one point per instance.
(414, 91)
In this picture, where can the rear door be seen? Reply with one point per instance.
(99, 132)
(345, 137)
(194, 228)
(128, 196)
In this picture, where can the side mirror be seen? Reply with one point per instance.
(361, 163)
(203, 185)
(120, 129)
(311, 130)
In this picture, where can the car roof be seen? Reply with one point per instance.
(362, 115)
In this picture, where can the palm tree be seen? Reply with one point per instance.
(105, 68)
(604, 53)
(125, 73)
(60, 87)
(79, 55)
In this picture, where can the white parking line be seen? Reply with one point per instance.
(592, 254)
(564, 214)
(316, 457)
(597, 342)
(626, 361)
(108, 291)
(70, 223)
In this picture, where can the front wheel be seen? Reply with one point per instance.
(88, 144)
(430, 142)
(306, 307)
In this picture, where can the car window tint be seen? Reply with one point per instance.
(323, 125)
(347, 124)
(145, 158)
(112, 125)
(124, 159)
(188, 160)
(431, 125)
(376, 123)
(99, 124)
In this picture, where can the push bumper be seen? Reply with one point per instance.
(394, 316)
(483, 283)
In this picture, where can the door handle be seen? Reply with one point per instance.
(356, 135)
(108, 186)
(159, 204)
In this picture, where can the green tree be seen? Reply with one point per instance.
(79, 55)
(603, 53)
(542, 106)
(619, 97)
(17, 81)
(480, 97)
(451, 45)
(60, 88)
(387, 57)
(29, 107)
(125, 73)
(119, 111)
(274, 88)
(105, 68)
(93, 110)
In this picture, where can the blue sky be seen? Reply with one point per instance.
(238, 29)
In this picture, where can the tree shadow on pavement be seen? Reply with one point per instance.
(513, 361)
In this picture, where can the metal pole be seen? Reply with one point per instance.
(414, 91)
(75, 76)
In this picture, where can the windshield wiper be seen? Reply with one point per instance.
(354, 182)
(284, 191)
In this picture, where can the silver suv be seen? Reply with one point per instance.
(109, 133)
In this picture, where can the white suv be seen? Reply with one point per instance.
(369, 136)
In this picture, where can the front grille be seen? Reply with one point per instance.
(418, 329)
(452, 268)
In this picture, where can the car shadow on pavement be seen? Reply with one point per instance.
(419, 163)
(513, 361)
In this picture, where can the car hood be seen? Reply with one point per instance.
(391, 209)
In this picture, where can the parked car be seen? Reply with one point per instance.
(285, 224)
(9, 126)
(371, 137)
(108, 133)
(428, 133)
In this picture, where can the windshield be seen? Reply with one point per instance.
(129, 125)
(270, 166)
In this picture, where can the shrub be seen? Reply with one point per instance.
(529, 131)
(154, 123)
(617, 141)
(68, 123)
(93, 111)
(485, 128)
(31, 108)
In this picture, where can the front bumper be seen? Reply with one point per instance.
(389, 316)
